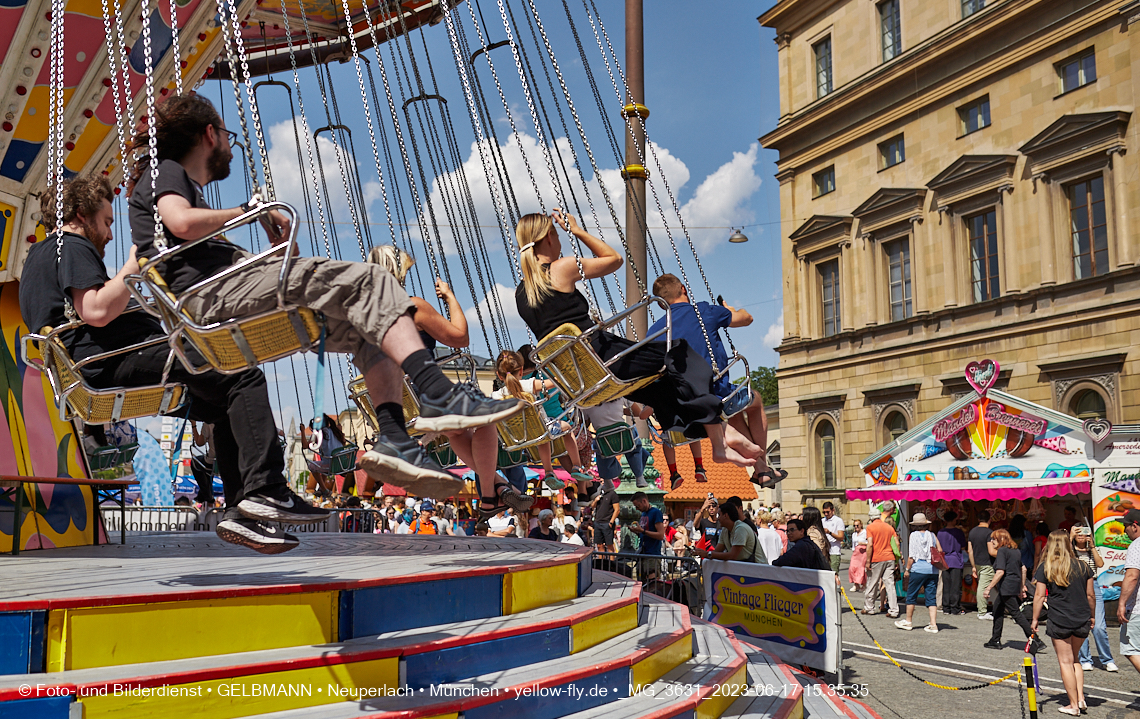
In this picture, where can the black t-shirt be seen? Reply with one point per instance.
(604, 512)
(1068, 606)
(537, 533)
(708, 529)
(553, 311)
(42, 292)
(1009, 561)
(979, 539)
(197, 263)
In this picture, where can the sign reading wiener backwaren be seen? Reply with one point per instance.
(793, 613)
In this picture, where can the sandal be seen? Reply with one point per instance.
(506, 497)
(773, 476)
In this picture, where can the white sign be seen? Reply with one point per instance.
(792, 613)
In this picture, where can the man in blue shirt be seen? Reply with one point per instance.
(748, 419)
(651, 529)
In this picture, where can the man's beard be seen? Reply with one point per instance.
(97, 237)
(219, 163)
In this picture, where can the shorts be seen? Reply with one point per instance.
(603, 533)
(1060, 632)
(360, 301)
(1130, 637)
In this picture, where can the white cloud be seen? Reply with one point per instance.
(775, 334)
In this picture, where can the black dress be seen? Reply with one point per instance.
(682, 399)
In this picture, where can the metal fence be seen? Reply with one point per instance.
(677, 579)
(356, 520)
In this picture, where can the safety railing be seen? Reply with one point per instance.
(210, 518)
(677, 579)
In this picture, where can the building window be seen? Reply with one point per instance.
(1077, 71)
(969, 7)
(822, 51)
(1089, 227)
(829, 276)
(974, 116)
(890, 29)
(1089, 405)
(894, 427)
(898, 271)
(982, 229)
(891, 152)
(825, 452)
(823, 182)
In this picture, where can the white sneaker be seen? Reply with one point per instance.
(1111, 667)
(1087, 666)
(904, 624)
(988, 616)
(930, 629)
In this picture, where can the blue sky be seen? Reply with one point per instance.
(712, 89)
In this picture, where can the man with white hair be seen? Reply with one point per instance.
(544, 530)
(570, 535)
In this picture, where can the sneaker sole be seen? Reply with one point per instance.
(269, 513)
(418, 481)
(517, 502)
(452, 422)
(254, 543)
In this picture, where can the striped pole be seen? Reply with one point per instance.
(1030, 688)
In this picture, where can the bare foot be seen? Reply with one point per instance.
(742, 444)
(731, 456)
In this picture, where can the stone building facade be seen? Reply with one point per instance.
(959, 179)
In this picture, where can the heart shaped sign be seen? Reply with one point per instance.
(982, 375)
(1097, 429)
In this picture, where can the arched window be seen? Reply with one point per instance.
(825, 452)
(894, 426)
(1089, 404)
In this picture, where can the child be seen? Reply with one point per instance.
(509, 368)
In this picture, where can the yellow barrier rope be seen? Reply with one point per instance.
(1012, 675)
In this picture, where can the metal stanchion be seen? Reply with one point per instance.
(1031, 687)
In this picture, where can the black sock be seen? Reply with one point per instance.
(429, 379)
(390, 417)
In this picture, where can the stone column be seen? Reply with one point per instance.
(1046, 234)
(917, 266)
(1124, 256)
(804, 305)
(847, 292)
(784, 57)
(870, 278)
(952, 274)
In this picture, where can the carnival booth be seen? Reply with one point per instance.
(992, 450)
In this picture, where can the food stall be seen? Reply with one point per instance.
(992, 450)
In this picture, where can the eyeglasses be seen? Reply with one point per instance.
(232, 136)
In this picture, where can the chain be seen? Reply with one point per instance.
(1012, 675)
(253, 112)
(174, 47)
(636, 117)
(231, 60)
(56, 120)
(152, 129)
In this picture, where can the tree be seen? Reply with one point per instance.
(764, 382)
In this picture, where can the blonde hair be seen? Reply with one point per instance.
(1058, 558)
(530, 230)
(777, 515)
(764, 518)
(508, 366)
(393, 259)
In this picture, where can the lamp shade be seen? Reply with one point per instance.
(737, 236)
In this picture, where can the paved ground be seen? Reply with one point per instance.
(955, 657)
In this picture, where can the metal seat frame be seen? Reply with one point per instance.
(78, 400)
(565, 355)
(244, 338)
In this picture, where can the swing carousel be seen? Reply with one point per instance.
(76, 100)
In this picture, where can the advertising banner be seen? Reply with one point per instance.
(793, 613)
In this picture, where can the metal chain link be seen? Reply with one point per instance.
(152, 128)
(56, 119)
(232, 61)
(270, 194)
(175, 48)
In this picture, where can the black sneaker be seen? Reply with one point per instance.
(258, 536)
(278, 503)
(675, 480)
(993, 645)
(464, 407)
(410, 466)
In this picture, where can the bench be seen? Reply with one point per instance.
(12, 486)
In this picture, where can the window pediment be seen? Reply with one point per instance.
(819, 232)
(1075, 137)
(972, 175)
(889, 206)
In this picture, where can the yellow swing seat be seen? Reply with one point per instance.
(78, 400)
(239, 343)
(565, 355)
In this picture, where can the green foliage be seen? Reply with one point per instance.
(764, 382)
